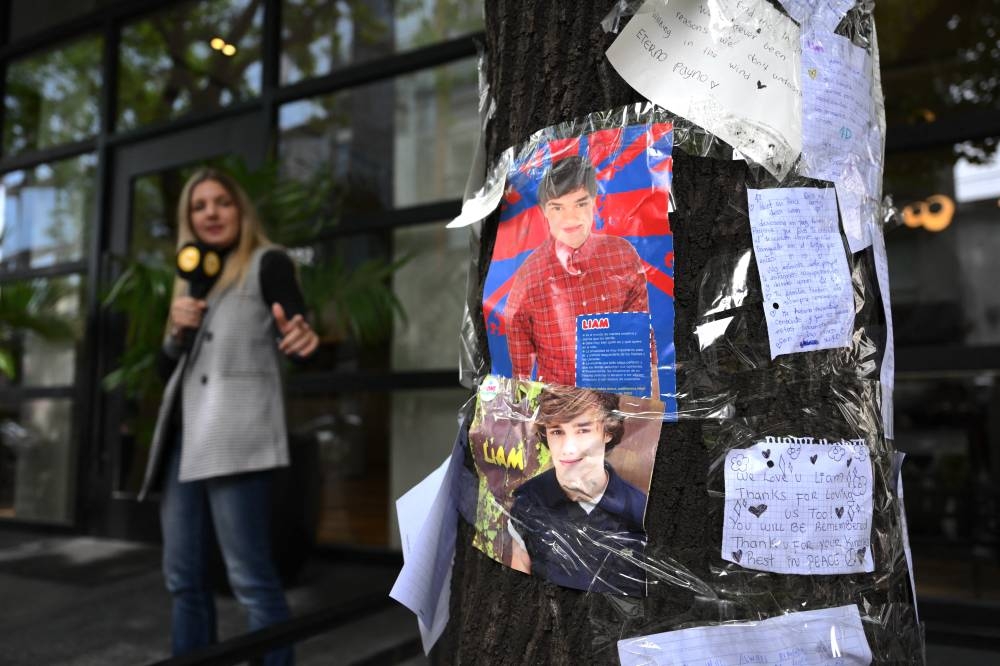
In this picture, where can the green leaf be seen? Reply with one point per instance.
(7, 364)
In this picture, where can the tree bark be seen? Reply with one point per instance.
(545, 64)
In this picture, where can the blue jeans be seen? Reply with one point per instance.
(238, 506)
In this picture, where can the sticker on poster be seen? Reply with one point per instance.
(799, 505)
(564, 475)
(731, 66)
(584, 231)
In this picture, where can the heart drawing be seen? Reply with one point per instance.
(813, 458)
(757, 510)
(849, 461)
(766, 453)
(812, 73)
(840, 511)
(738, 555)
(861, 554)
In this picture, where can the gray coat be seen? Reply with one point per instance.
(230, 387)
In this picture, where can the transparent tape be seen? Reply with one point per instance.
(564, 476)
(699, 265)
(802, 508)
(618, 256)
(759, 442)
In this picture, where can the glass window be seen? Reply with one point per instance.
(937, 62)
(40, 326)
(154, 214)
(424, 426)
(431, 288)
(37, 461)
(340, 442)
(46, 214)
(319, 36)
(194, 56)
(342, 445)
(943, 259)
(948, 428)
(348, 293)
(53, 97)
(395, 143)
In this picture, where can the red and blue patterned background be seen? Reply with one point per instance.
(633, 166)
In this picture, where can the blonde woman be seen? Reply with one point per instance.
(221, 432)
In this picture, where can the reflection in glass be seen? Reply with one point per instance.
(936, 62)
(53, 97)
(424, 425)
(168, 66)
(154, 214)
(37, 461)
(428, 338)
(943, 271)
(342, 445)
(947, 427)
(339, 447)
(394, 143)
(47, 212)
(320, 36)
(344, 282)
(40, 325)
(29, 17)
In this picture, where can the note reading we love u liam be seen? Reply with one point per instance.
(799, 505)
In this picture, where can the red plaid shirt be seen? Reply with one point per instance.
(545, 300)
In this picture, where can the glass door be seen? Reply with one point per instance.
(146, 185)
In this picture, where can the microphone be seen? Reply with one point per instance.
(200, 264)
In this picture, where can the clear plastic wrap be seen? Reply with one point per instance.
(772, 504)
(564, 477)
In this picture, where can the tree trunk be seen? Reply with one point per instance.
(545, 64)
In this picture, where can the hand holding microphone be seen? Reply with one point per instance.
(200, 265)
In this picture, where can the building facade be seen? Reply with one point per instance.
(374, 107)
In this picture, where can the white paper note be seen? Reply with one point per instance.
(428, 517)
(731, 66)
(808, 296)
(823, 14)
(808, 638)
(887, 373)
(840, 133)
(798, 505)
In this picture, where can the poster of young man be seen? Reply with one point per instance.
(564, 478)
(580, 288)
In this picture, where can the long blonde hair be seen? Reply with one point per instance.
(251, 235)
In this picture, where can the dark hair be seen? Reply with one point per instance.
(562, 404)
(565, 176)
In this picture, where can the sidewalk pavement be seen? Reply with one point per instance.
(83, 601)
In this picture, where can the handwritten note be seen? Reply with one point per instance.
(731, 66)
(808, 296)
(799, 505)
(808, 638)
(888, 371)
(823, 14)
(841, 136)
